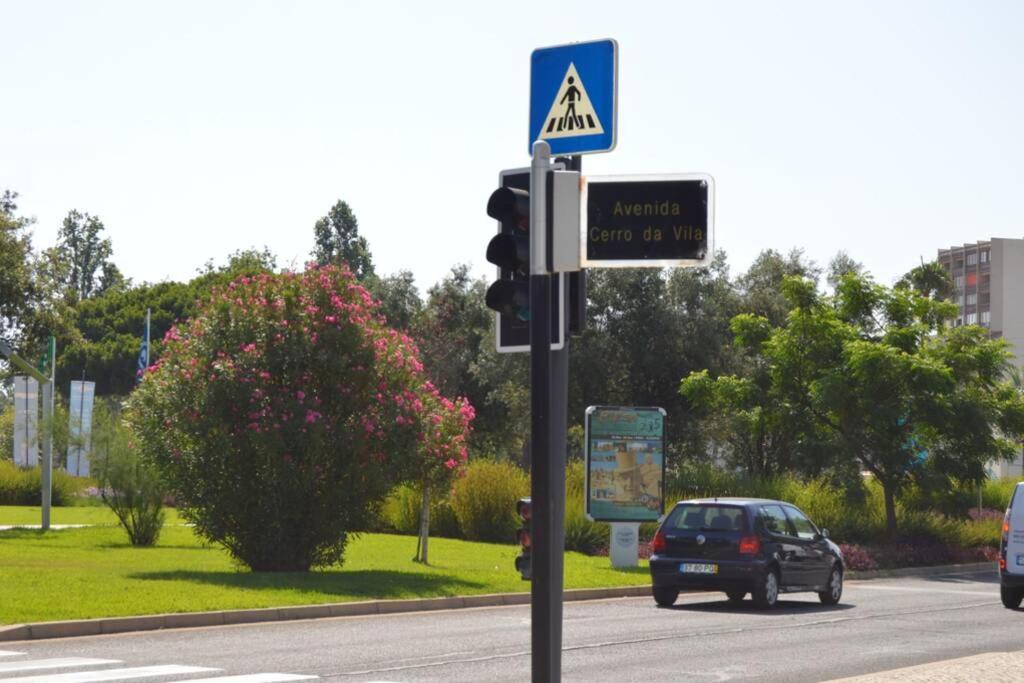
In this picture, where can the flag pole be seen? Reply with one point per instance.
(48, 405)
(147, 339)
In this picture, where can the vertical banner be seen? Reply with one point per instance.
(625, 463)
(26, 421)
(80, 427)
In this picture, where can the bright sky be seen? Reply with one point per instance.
(888, 129)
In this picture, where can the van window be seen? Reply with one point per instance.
(695, 517)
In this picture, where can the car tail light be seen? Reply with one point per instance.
(1002, 563)
(658, 544)
(1006, 526)
(750, 545)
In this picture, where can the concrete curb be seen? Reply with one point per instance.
(921, 571)
(109, 625)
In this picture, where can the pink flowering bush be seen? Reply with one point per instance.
(282, 414)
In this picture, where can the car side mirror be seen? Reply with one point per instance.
(824, 533)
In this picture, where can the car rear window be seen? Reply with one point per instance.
(708, 517)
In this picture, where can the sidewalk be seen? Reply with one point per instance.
(991, 667)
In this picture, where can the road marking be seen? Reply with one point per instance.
(909, 589)
(111, 674)
(55, 663)
(252, 678)
(9, 653)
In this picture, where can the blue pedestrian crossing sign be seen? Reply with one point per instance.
(573, 97)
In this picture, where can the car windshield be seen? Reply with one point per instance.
(707, 517)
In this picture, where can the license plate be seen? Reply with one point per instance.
(698, 568)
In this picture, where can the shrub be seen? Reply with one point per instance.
(129, 485)
(24, 487)
(484, 500)
(996, 493)
(581, 534)
(7, 434)
(400, 513)
(283, 413)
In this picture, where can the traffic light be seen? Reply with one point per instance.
(510, 251)
(525, 537)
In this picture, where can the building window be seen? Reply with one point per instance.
(959, 264)
(986, 317)
(984, 256)
(972, 258)
(958, 281)
(959, 322)
(972, 299)
(972, 318)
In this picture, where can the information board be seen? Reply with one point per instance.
(625, 463)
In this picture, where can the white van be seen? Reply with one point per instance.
(1011, 551)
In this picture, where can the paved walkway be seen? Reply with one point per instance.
(991, 667)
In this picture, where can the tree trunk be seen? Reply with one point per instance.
(424, 523)
(890, 511)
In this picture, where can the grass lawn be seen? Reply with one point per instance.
(94, 572)
(85, 514)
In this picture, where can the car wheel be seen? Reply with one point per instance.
(766, 591)
(1011, 597)
(736, 595)
(665, 597)
(831, 595)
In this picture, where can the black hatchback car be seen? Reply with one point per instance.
(740, 546)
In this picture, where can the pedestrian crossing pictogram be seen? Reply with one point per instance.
(572, 113)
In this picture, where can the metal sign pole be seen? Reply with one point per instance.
(545, 603)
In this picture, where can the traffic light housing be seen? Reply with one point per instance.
(524, 535)
(510, 251)
(509, 295)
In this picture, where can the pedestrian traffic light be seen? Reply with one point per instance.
(525, 537)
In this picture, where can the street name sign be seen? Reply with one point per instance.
(648, 221)
(625, 463)
(574, 98)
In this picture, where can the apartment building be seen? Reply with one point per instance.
(988, 283)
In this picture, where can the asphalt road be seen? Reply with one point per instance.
(880, 625)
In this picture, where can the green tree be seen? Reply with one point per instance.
(760, 288)
(931, 280)
(83, 253)
(645, 328)
(15, 265)
(337, 240)
(103, 344)
(872, 379)
(840, 265)
(399, 299)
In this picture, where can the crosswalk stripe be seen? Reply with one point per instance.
(55, 663)
(9, 653)
(111, 674)
(253, 678)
